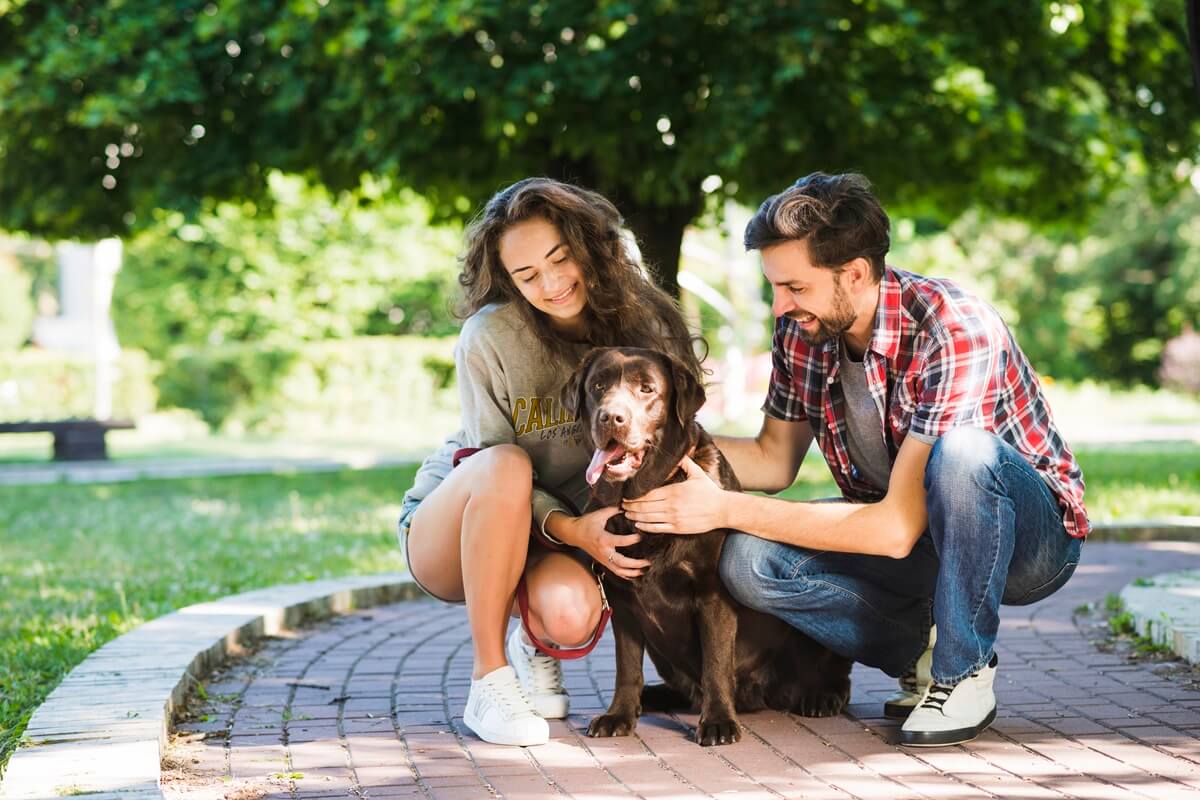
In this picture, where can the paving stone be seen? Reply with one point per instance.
(369, 705)
(1060, 734)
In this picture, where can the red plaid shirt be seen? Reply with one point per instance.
(938, 359)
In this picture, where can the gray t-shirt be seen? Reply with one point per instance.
(864, 425)
(509, 386)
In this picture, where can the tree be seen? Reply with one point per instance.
(111, 109)
(318, 268)
(1101, 303)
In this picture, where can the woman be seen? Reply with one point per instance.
(546, 276)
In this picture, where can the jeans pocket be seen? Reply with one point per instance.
(1046, 589)
(802, 557)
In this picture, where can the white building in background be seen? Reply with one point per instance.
(86, 275)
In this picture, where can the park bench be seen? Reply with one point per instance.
(74, 439)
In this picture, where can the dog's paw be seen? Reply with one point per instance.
(824, 703)
(611, 725)
(718, 731)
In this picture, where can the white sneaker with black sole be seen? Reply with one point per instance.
(952, 714)
(900, 703)
(541, 676)
(499, 712)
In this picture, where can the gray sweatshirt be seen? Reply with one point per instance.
(509, 387)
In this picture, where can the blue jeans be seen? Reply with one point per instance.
(995, 536)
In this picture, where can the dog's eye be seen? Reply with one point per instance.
(647, 388)
(598, 386)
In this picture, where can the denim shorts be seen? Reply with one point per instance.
(407, 510)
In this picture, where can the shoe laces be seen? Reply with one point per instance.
(545, 673)
(939, 693)
(509, 698)
(937, 696)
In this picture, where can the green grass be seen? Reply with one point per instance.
(1124, 482)
(82, 564)
(1141, 481)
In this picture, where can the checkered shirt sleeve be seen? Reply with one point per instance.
(784, 400)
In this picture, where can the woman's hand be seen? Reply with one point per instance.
(695, 505)
(587, 533)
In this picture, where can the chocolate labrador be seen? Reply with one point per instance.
(638, 408)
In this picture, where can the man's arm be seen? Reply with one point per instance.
(769, 461)
(888, 528)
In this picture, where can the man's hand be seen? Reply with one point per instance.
(588, 533)
(696, 505)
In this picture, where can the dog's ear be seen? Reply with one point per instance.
(574, 393)
(689, 393)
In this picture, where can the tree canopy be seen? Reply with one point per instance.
(109, 110)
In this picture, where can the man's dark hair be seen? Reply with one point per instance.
(837, 214)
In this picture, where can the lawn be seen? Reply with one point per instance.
(81, 564)
(1131, 482)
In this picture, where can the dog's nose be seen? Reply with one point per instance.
(613, 417)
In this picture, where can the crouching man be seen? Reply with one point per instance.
(959, 493)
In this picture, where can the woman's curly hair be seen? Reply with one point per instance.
(624, 308)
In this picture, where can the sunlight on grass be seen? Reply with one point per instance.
(1131, 482)
(80, 565)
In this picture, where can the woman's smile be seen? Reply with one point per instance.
(563, 297)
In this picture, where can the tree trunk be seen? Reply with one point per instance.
(659, 232)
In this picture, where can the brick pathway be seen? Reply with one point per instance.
(370, 706)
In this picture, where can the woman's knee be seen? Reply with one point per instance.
(568, 611)
(504, 463)
(502, 473)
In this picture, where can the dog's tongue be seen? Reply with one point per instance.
(600, 460)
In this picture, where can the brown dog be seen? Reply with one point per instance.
(638, 408)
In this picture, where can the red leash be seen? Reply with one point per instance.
(523, 596)
(561, 653)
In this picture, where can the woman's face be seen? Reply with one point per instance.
(544, 270)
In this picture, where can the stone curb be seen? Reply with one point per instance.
(1169, 528)
(101, 733)
(1166, 610)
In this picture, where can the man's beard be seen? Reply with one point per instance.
(838, 322)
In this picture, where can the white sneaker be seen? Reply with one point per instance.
(498, 711)
(952, 714)
(900, 704)
(541, 676)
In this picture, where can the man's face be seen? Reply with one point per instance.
(812, 296)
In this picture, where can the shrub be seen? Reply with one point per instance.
(313, 267)
(16, 304)
(1099, 305)
(1181, 362)
(47, 385)
(316, 385)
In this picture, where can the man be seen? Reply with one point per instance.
(962, 494)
